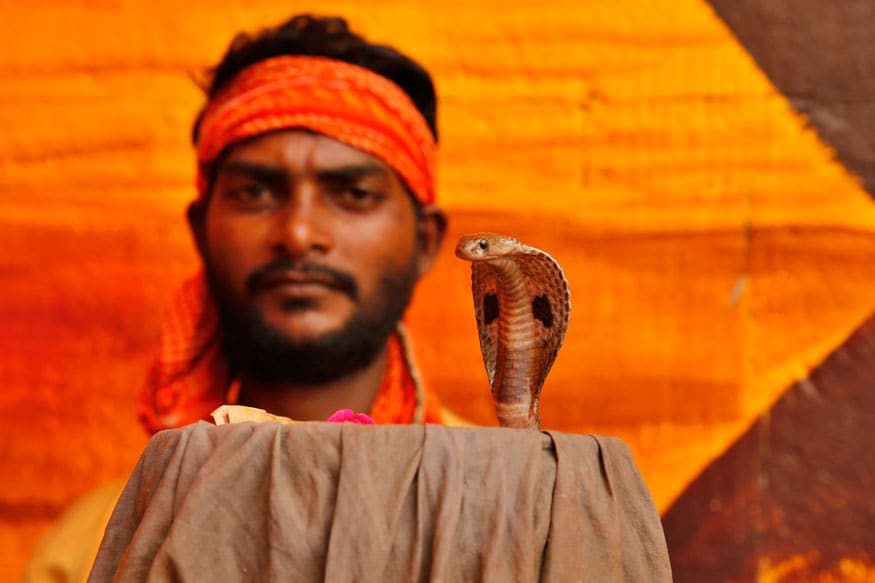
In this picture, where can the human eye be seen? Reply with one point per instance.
(359, 197)
(254, 195)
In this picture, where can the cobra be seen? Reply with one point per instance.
(522, 303)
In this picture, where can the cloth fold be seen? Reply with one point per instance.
(346, 502)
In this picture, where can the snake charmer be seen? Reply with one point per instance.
(314, 217)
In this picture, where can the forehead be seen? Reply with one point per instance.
(301, 150)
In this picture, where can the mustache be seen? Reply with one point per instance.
(339, 279)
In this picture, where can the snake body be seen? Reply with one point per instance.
(522, 303)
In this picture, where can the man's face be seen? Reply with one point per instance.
(309, 242)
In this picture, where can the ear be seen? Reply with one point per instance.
(432, 228)
(197, 222)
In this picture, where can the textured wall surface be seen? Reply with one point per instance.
(791, 500)
(819, 55)
(715, 248)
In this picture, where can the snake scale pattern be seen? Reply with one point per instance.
(522, 303)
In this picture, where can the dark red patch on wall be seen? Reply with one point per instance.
(799, 482)
(819, 54)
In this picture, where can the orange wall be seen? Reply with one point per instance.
(714, 248)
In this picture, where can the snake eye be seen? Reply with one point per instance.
(483, 244)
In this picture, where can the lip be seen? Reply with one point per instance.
(291, 280)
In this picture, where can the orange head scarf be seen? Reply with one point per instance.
(190, 376)
(342, 101)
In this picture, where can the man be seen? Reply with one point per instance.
(314, 219)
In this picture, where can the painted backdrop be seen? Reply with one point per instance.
(709, 213)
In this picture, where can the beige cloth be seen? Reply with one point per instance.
(346, 502)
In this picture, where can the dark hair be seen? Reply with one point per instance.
(329, 37)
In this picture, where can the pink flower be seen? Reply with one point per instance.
(349, 416)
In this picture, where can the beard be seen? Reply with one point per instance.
(263, 354)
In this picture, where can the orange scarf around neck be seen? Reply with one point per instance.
(190, 377)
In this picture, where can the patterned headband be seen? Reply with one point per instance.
(342, 101)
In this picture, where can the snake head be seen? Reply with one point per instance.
(485, 246)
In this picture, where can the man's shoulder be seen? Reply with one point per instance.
(68, 549)
(450, 419)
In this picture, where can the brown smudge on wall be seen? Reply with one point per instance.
(799, 482)
(819, 55)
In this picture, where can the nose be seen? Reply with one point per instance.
(303, 225)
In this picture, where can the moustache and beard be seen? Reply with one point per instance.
(259, 352)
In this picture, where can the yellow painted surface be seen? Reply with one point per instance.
(715, 250)
(801, 567)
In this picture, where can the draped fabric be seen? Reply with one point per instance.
(344, 502)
